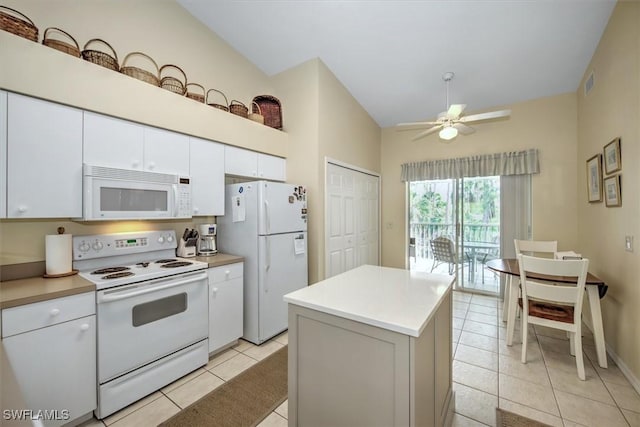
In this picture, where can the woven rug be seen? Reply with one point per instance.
(509, 419)
(244, 400)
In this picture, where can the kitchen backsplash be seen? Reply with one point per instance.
(22, 241)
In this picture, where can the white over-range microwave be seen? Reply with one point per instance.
(110, 194)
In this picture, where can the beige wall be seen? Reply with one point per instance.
(329, 123)
(548, 124)
(612, 109)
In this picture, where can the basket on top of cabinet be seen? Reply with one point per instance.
(269, 107)
(100, 58)
(17, 23)
(62, 46)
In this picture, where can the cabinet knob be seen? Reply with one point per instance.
(135, 163)
(55, 312)
(195, 210)
(84, 327)
(215, 291)
(254, 173)
(152, 165)
(227, 273)
(22, 209)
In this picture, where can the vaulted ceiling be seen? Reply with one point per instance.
(391, 55)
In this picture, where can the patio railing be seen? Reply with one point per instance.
(424, 232)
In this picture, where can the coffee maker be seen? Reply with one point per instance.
(207, 240)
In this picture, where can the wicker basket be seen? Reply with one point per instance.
(171, 83)
(139, 73)
(238, 108)
(224, 107)
(70, 49)
(17, 25)
(256, 117)
(100, 58)
(270, 109)
(195, 96)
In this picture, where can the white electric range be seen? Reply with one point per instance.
(152, 313)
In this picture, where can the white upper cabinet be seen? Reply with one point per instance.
(112, 142)
(122, 144)
(3, 155)
(241, 162)
(272, 167)
(166, 151)
(207, 177)
(44, 143)
(238, 161)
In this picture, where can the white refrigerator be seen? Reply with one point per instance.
(266, 223)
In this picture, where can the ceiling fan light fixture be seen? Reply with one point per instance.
(448, 132)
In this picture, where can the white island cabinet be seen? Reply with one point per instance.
(372, 347)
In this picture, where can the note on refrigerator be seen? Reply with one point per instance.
(299, 244)
(238, 209)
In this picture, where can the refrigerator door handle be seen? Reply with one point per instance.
(268, 262)
(267, 217)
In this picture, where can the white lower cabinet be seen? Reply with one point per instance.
(55, 364)
(225, 305)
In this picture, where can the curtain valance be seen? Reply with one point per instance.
(499, 164)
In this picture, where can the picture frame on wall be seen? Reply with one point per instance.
(612, 194)
(594, 179)
(612, 158)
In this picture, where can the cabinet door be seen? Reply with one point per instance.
(238, 161)
(225, 310)
(272, 167)
(166, 152)
(207, 177)
(3, 157)
(55, 367)
(112, 142)
(44, 143)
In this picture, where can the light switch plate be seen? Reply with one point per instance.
(628, 243)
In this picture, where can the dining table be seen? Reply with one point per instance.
(596, 289)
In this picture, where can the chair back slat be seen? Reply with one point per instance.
(566, 293)
(443, 250)
(531, 247)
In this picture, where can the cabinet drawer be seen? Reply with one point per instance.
(225, 272)
(25, 318)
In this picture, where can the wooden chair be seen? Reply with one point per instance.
(543, 247)
(444, 251)
(551, 304)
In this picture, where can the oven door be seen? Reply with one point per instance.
(143, 322)
(106, 198)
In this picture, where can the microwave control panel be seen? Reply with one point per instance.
(183, 204)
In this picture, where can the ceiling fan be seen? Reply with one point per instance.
(452, 122)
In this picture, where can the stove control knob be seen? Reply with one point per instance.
(161, 240)
(169, 239)
(97, 245)
(84, 247)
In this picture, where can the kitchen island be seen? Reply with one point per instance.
(372, 347)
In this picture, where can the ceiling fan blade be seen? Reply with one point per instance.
(417, 124)
(426, 132)
(464, 129)
(455, 110)
(485, 116)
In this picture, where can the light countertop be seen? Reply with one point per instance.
(398, 300)
(219, 259)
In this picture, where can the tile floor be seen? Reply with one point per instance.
(486, 374)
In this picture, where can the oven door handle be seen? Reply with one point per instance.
(117, 296)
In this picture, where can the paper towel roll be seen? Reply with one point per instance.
(58, 253)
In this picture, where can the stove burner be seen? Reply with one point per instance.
(118, 275)
(143, 264)
(164, 261)
(110, 270)
(176, 264)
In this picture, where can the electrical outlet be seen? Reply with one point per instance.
(628, 243)
(389, 225)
